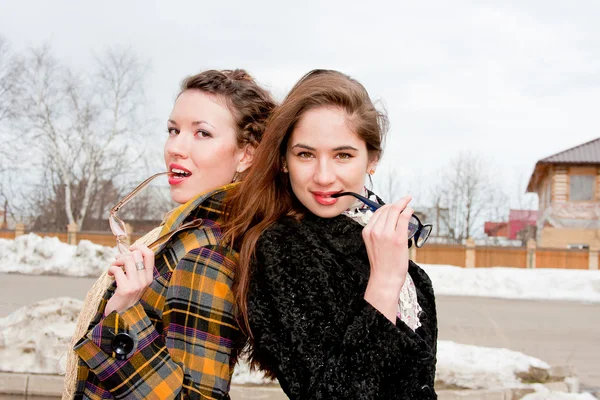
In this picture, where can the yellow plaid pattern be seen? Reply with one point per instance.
(183, 328)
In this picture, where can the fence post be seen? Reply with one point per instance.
(19, 230)
(470, 254)
(72, 233)
(531, 248)
(593, 257)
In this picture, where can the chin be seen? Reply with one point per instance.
(325, 211)
(178, 197)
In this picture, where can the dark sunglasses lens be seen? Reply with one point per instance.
(423, 236)
(413, 225)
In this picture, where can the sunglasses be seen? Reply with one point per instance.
(416, 230)
(117, 226)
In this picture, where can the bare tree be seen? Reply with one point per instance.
(389, 185)
(10, 91)
(467, 191)
(81, 125)
(10, 82)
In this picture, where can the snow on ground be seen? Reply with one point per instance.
(477, 367)
(242, 375)
(31, 254)
(542, 393)
(35, 255)
(35, 337)
(516, 283)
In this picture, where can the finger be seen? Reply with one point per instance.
(142, 274)
(402, 231)
(148, 256)
(122, 256)
(400, 206)
(378, 215)
(393, 215)
(373, 231)
(405, 218)
(132, 273)
(117, 273)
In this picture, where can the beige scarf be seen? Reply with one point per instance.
(90, 308)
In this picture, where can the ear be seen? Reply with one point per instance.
(246, 158)
(372, 166)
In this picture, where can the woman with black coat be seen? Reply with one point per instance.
(332, 305)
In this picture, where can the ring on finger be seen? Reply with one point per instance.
(140, 266)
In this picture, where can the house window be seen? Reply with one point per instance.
(581, 187)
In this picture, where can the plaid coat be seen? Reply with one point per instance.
(183, 328)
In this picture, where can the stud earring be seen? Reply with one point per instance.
(371, 172)
(285, 169)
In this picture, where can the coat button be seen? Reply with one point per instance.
(122, 344)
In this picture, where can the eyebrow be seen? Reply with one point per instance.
(340, 148)
(194, 123)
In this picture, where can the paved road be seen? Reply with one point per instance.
(558, 332)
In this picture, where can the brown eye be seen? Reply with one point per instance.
(172, 131)
(203, 134)
(305, 154)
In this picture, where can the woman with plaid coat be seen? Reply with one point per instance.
(166, 328)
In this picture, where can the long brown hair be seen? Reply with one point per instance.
(265, 195)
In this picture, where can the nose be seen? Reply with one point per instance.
(176, 146)
(324, 174)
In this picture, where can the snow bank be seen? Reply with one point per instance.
(242, 375)
(477, 367)
(543, 393)
(31, 254)
(35, 255)
(35, 337)
(516, 283)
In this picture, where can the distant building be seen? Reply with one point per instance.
(520, 226)
(568, 188)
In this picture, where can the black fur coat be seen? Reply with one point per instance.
(313, 329)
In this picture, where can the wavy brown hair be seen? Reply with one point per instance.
(250, 104)
(265, 195)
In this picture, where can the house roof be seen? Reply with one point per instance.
(586, 153)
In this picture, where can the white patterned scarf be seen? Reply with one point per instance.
(408, 305)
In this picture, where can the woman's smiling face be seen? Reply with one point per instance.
(324, 156)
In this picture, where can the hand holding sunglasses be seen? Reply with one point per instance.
(416, 229)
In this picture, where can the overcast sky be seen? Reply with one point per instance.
(511, 80)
